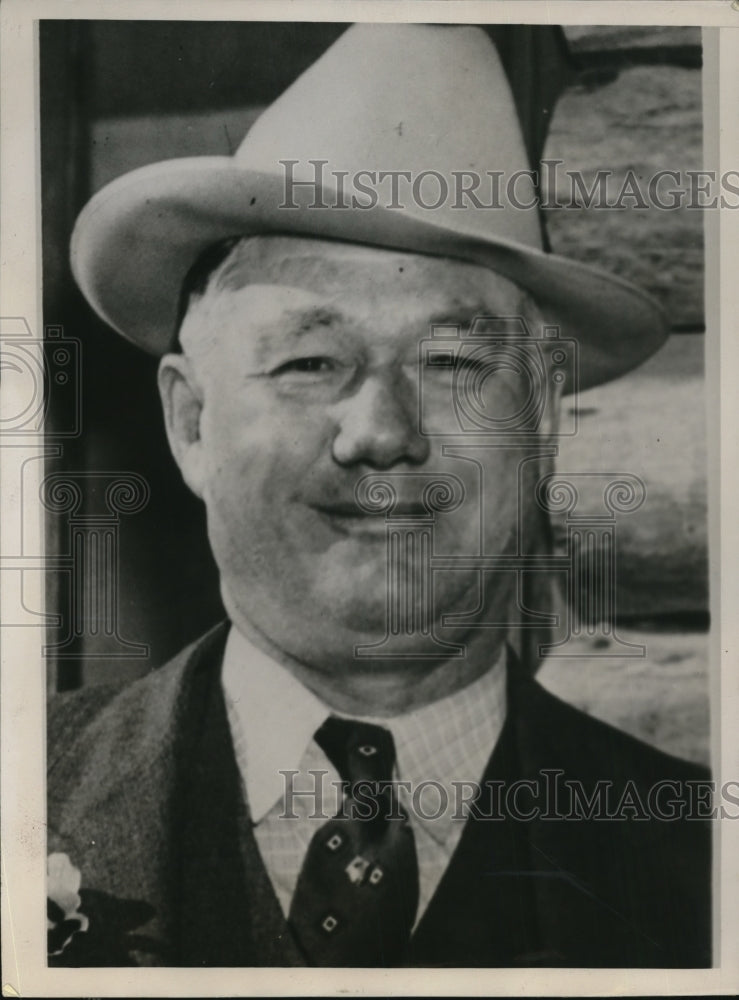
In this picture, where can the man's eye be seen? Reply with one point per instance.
(308, 366)
(450, 361)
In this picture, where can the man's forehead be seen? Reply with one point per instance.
(294, 285)
(336, 268)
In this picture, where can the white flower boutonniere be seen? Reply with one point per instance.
(63, 919)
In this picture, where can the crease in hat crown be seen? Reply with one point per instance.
(403, 97)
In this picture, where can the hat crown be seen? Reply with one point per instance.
(414, 100)
(409, 97)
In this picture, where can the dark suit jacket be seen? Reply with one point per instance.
(145, 797)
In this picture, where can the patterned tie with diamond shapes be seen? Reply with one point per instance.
(357, 893)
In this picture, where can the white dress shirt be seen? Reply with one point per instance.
(273, 718)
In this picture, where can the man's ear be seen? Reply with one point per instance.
(182, 402)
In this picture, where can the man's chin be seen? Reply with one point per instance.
(367, 618)
(367, 601)
(364, 614)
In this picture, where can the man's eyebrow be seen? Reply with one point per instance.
(296, 323)
(303, 320)
(462, 315)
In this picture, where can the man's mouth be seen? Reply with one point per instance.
(347, 518)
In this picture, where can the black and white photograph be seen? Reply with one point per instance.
(364, 453)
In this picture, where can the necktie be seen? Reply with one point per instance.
(357, 893)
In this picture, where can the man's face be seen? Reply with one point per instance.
(301, 376)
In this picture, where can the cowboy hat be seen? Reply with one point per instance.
(427, 105)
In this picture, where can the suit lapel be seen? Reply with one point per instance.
(483, 911)
(114, 806)
(579, 866)
(541, 891)
(230, 915)
(159, 828)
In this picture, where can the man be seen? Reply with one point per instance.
(264, 798)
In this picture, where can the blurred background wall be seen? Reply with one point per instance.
(117, 95)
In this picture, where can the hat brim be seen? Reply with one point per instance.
(136, 239)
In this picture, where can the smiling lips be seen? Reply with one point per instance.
(348, 518)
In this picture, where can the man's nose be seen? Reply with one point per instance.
(378, 425)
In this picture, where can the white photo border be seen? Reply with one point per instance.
(24, 968)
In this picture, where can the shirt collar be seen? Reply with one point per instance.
(274, 716)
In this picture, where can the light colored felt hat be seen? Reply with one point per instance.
(408, 97)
